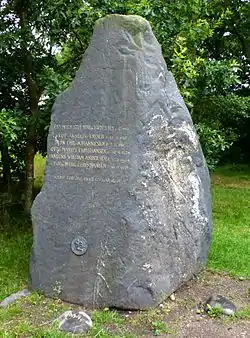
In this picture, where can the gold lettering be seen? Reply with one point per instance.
(62, 156)
(93, 143)
(78, 164)
(88, 127)
(87, 179)
(91, 136)
(90, 147)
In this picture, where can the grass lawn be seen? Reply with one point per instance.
(230, 252)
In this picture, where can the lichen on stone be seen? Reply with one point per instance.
(134, 24)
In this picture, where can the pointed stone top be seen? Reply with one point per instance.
(133, 23)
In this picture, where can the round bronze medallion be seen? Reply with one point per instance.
(79, 245)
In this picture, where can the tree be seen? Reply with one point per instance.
(205, 44)
(29, 34)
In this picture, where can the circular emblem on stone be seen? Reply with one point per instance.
(79, 245)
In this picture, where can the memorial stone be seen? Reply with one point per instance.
(124, 215)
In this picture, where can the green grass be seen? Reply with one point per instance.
(39, 165)
(14, 264)
(230, 249)
(243, 313)
(35, 315)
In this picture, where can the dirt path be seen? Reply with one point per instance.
(182, 318)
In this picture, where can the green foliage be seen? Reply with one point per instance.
(31, 34)
(11, 124)
(223, 122)
(229, 111)
(12, 136)
(213, 143)
(218, 76)
(159, 328)
(243, 313)
(199, 77)
(53, 83)
(214, 312)
(186, 70)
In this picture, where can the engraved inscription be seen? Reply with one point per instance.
(89, 127)
(88, 147)
(86, 179)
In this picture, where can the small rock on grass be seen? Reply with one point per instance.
(220, 302)
(13, 297)
(75, 322)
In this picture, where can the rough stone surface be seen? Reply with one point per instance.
(220, 302)
(125, 172)
(15, 296)
(74, 322)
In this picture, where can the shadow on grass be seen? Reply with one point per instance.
(239, 171)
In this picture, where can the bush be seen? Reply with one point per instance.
(13, 136)
(223, 124)
(213, 144)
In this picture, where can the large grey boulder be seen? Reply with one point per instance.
(124, 215)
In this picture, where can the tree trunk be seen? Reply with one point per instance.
(6, 196)
(28, 192)
(6, 167)
(6, 162)
(34, 108)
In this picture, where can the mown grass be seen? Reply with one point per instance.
(230, 249)
(14, 263)
(35, 315)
